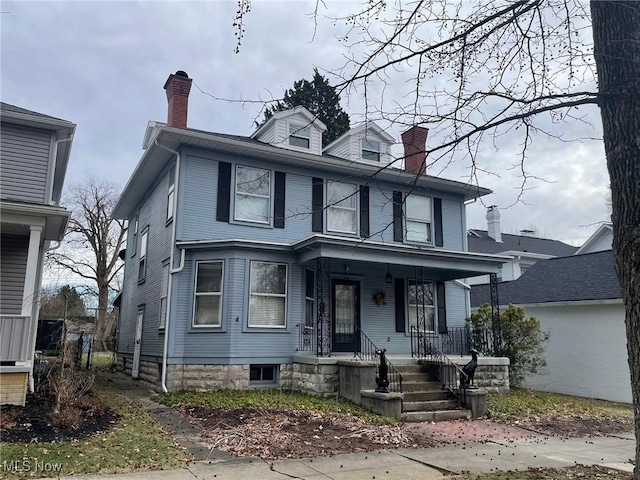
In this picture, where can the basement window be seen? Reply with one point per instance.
(262, 375)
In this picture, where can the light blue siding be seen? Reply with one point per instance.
(24, 162)
(152, 213)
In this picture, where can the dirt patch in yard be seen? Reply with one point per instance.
(33, 423)
(275, 434)
(577, 426)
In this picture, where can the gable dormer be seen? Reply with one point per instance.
(366, 143)
(295, 129)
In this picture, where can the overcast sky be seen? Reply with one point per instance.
(102, 65)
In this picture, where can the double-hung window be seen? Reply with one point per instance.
(134, 237)
(299, 135)
(421, 306)
(418, 218)
(370, 150)
(164, 290)
(253, 194)
(309, 298)
(208, 295)
(142, 262)
(268, 295)
(342, 207)
(171, 193)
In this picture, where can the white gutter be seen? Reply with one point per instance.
(171, 261)
(52, 173)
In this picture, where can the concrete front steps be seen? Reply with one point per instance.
(424, 398)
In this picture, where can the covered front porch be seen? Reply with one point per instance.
(364, 296)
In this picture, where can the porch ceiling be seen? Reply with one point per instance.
(439, 264)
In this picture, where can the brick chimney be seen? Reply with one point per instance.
(178, 86)
(493, 223)
(415, 141)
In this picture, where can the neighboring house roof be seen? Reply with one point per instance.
(600, 240)
(565, 279)
(6, 107)
(155, 158)
(480, 241)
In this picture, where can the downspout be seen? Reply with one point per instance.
(171, 261)
(54, 163)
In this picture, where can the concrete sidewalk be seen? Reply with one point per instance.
(424, 463)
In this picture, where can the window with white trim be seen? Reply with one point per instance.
(268, 295)
(342, 207)
(207, 309)
(420, 302)
(370, 150)
(299, 135)
(134, 238)
(418, 219)
(171, 193)
(142, 262)
(164, 290)
(309, 298)
(252, 194)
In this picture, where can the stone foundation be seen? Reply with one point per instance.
(492, 373)
(207, 377)
(149, 372)
(312, 375)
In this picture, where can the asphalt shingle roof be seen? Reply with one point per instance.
(565, 279)
(479, 241)
(6, 107)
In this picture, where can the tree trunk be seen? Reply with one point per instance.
(616, 32)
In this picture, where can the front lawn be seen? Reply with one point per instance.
(134, 442)
(556, 414)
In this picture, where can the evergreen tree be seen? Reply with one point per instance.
(52, 303)
(319, 98)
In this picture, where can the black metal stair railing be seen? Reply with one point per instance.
(367, 352)
(437, 363)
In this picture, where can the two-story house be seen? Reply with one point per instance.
(34, 152)
(250, 257)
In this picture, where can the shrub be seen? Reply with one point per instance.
(523, 341)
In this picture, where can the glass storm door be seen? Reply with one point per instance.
(346, 316)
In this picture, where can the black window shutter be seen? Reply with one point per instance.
(397, 217)
(364, 211)
(437, 221)
(399, 300)
(317, 204)
(224, 192)
(442, 307)
(279, 200)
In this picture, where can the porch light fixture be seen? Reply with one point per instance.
(388, 278)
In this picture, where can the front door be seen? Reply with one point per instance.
(135, 369)
(346, 316)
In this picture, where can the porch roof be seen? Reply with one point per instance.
(439, 264)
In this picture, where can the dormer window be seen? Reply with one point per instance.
(370, 150)
(299, 135)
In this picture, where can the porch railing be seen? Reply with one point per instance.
(307, 338)
(14, 337)
(437, 363)
(367, 352)
(456, 340)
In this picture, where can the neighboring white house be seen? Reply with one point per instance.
(602, 239)
(525, 249)
(578, 300)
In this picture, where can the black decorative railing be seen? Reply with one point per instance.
(368, 351)
(307, 341)
(455, 342)
(437, 363)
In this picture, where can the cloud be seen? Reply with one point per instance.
(102, 65)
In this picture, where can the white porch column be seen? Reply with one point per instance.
(31, 274)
